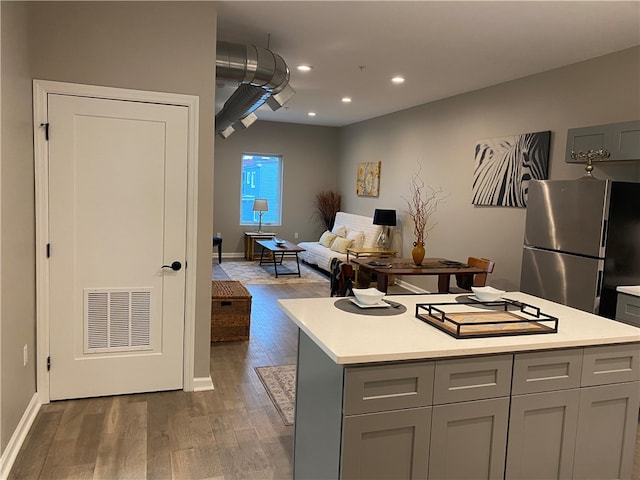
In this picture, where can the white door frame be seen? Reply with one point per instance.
(42, 88)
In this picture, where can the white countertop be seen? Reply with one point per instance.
(349, 338)
(630, 290)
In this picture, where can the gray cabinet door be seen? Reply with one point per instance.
(389, 445)
(625, 137)
(607, 424)
(542, 432)
(621, 140)
(469, 440)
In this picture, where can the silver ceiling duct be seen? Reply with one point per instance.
(263, 77)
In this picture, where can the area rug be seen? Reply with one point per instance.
(252, 273)
(280, 384)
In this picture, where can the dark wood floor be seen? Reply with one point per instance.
(233, 432)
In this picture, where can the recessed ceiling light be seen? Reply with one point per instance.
(312, 114)
(346, 99)
(397, 79)
(304, 68)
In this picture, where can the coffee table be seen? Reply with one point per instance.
(385, 267)
(282, 249)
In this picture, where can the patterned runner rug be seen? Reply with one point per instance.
(280, 384)
(252, 273)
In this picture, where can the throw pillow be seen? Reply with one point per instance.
(326, 239)
(357, 237)
(341, 244)
(340, 231)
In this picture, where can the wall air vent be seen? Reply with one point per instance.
(117, 320)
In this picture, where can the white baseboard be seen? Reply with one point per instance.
(202, 384)
(17, 439)
(411, 287)
(214, 255)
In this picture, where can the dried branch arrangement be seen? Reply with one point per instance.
(422, 205)
(327, 205)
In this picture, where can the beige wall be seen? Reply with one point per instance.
(310, 159)
(441, 136)
(170, 46)
(17, 269)
(156, 46)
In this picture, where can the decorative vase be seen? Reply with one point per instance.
(418, 253)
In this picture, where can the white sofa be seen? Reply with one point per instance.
(349, 226)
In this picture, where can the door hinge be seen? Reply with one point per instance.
(46, 130)
(48, 250)
(48, 364)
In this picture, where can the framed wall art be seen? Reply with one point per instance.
(504, 166)
(368, 181)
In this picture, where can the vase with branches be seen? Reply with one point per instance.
(327, 204)
(422, 204)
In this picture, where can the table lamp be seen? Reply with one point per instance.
(386, 218)
(260, 205)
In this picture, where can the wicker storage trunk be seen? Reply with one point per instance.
(230, 311)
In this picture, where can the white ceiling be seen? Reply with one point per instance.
(442, 48)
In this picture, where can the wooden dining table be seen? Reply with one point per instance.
(384, 268)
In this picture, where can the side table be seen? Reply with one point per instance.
(369, 252)
(250, 240)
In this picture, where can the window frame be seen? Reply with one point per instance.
(273, 217)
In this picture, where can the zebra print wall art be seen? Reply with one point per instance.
(504, 166)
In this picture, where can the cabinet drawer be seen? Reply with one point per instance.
(628, 309)
(387, 387)
(611, 364)
(460, 380)
(546, 371)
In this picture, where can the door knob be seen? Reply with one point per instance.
(175, 266)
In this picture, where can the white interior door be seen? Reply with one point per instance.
(117, 214)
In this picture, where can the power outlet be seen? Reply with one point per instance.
(295, 235)
(25, 355)
(218, 234)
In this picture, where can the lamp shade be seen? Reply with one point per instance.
(384, 217)
(261, 205)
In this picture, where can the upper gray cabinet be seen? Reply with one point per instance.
(620, 140)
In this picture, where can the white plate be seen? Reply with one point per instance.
(473, 297)
(370, 305)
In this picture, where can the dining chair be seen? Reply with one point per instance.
(465, 281)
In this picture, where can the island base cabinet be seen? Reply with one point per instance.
(318, 413)
(607, 424)
(542, 432)
(387, 445)
(469, 440)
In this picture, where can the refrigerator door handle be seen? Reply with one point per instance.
(599, 287)
(603, 240)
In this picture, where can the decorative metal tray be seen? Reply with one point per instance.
(488, 319)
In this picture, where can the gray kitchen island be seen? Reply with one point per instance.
(387, 395)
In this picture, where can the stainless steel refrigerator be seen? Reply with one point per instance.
(582, 241)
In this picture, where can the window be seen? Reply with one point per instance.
(261, 178)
